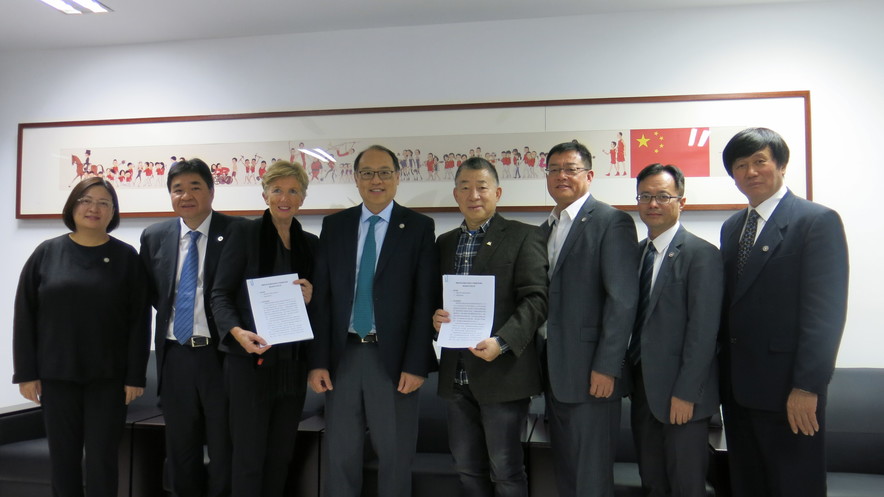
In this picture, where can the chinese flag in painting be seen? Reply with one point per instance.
(687, 148)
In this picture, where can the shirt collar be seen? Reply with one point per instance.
(572, 209)
(661, 243)
(384, 214)
(203, 228)
(766, 208)
(482, 229)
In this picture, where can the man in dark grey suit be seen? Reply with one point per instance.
(189, 371)
(785, 304)
(671, 357)
(489, 386)
(375, 289)
(593, 293)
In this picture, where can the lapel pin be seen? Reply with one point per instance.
(401, 225)
(671, 254)
(106, 260)
(583, 219)
(220, 238)
(488, 243)
(765, 248)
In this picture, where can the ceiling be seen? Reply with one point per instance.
(32, 25)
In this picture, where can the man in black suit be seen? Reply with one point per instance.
(785, 304)
(489, 386)
(593, 292)
(375, 289)
(189, 370)
(671, 357)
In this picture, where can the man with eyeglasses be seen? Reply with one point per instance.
(375, 289)
(670, 363)
(786, 273)
(593, 259)
(189, 364)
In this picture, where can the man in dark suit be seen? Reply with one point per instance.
(785, 305)
(375, 289)
(489, 386)
(189, 369)
(593, 292)
(671, 357)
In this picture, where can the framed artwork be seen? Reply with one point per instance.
(623, 135)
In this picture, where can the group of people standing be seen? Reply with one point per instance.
(583, 312)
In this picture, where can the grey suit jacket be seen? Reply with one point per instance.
(593, 295)
(159, 252)
(782, 320)
(515, 254)
(679, 333)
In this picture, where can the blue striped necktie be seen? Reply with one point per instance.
(363, 308)
(186, 296)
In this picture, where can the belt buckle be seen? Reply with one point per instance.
(371, 338)
(198, 341)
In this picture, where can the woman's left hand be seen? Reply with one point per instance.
(133, 393)
(306, 289)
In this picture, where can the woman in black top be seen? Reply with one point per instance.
(266, 385)
(81, 339)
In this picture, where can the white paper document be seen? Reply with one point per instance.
(469, 299)
(279, 310)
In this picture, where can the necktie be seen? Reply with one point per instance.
(184, 299)
(363, 308)
(644, 297)
(746, 241)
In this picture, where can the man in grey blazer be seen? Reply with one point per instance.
(785, 304)
(671, 357)
(593, 292)
(189, 370)
(489, 385)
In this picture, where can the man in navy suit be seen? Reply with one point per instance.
(375, 290)
(190, 378)
(593, 293)
(671, 357)
(783, 315)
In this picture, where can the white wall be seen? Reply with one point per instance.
(832, 49)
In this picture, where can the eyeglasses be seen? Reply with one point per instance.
(569, 171)
(90, 202)
(368, 175)
(661, 198)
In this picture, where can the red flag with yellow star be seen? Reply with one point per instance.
(687, 148)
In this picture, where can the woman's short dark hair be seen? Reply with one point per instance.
(67, 213)
(573, 146)
(751, 140)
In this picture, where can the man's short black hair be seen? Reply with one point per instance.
(751, 140)
(190, 166)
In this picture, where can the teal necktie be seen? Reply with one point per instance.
(185, 298)
(363, 309)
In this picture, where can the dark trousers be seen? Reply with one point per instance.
(263, 427)
(584, 442)
(767, 460)
(195, 410)
(84, 415)
(485, 440)
(672, 459)
(365, 395)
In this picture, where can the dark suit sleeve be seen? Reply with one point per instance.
(619, 267)
(228, 282)
(705, 292)
(319, 356)
(419, 359)
(530, 291)
(139, 323)
(823, 302)
(144, 252)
